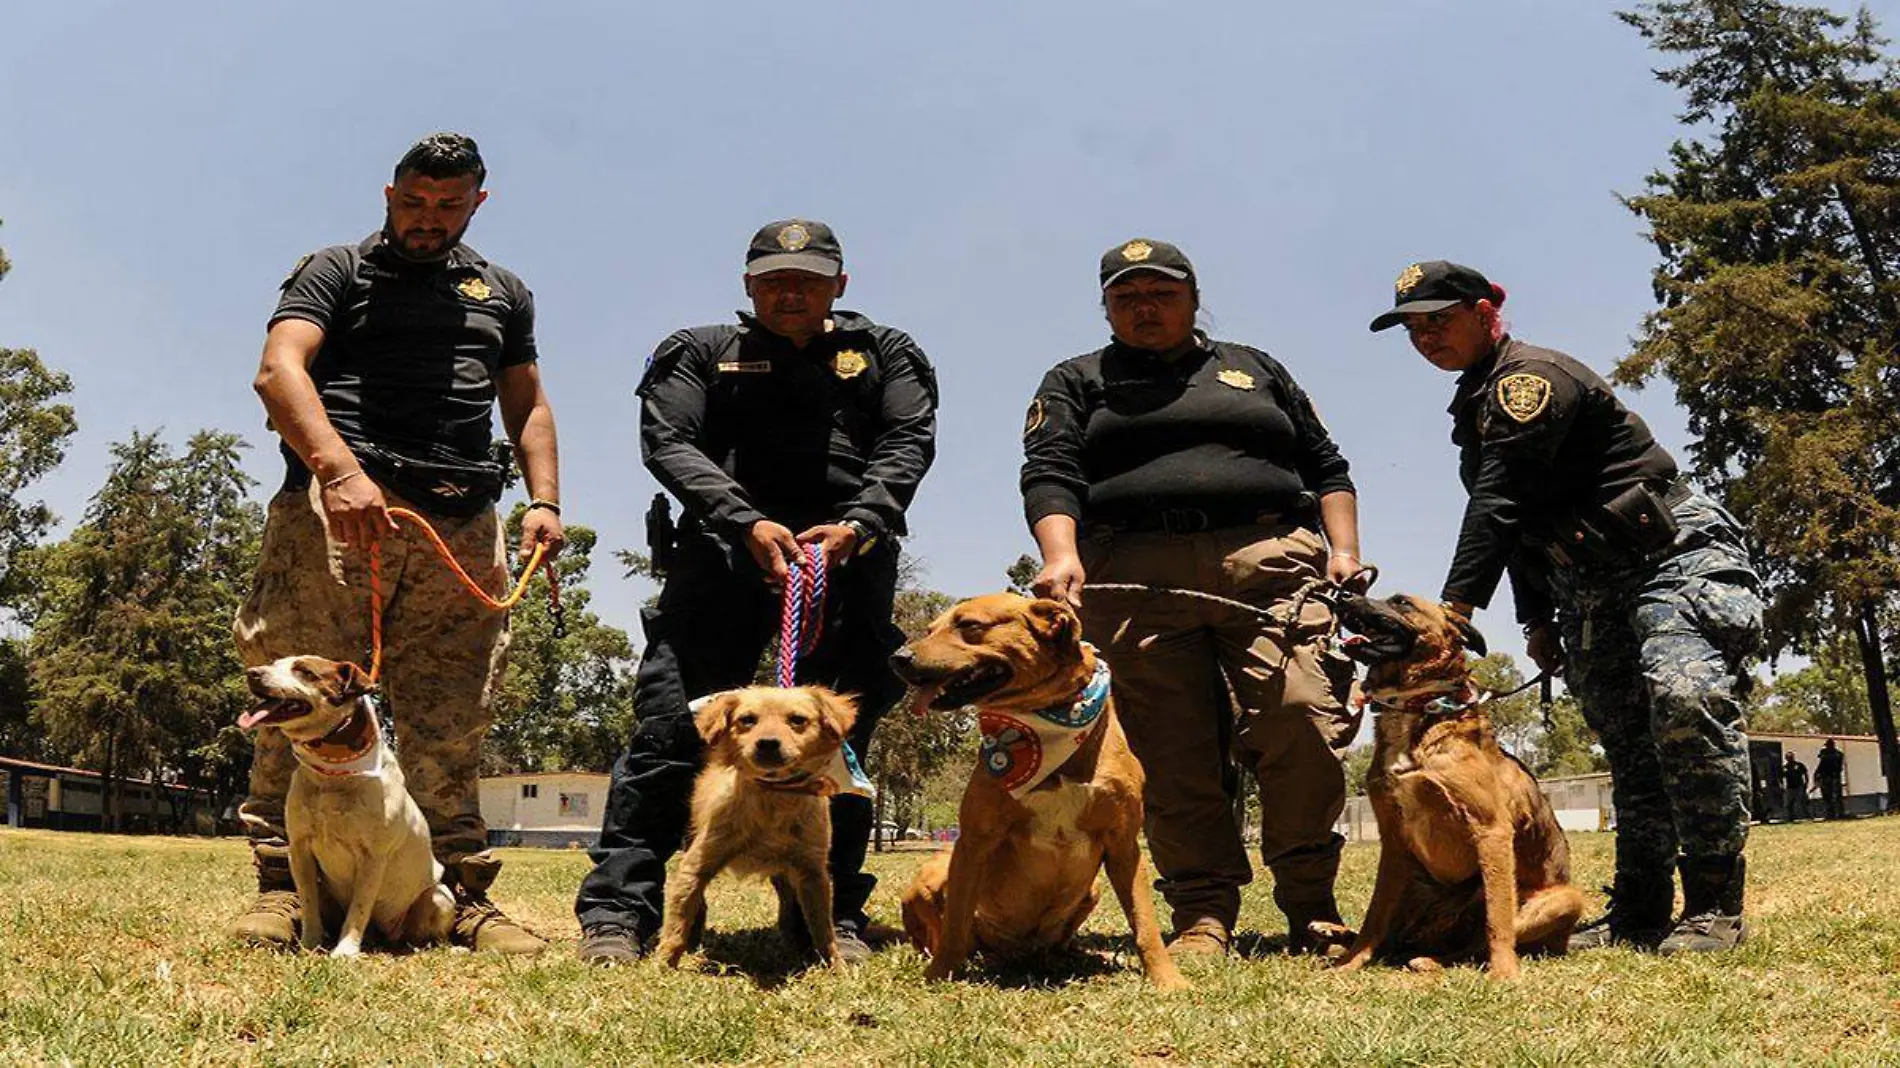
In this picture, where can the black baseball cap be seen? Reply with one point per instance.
(1433, 286)
(1142, 254)
(795, 245)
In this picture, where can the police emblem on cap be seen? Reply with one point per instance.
(794, 237)
(1235, 378)
(1408, 278)
(1136, 251)
(849, 364)
(474, 288)
(1523, 396)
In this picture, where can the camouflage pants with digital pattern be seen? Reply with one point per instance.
(443, 656)
(1657, 655)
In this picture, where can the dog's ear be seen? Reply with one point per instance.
(1472, 639)
(714, 718)
(346, 683)
(1053, 621)
(836, 711)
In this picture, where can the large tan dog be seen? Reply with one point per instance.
(1472, 863)
(760, 806)
(1021, 877)
(359, 846)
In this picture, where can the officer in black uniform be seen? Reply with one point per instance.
(1635, 585)
(1175, 462)
(800, 425)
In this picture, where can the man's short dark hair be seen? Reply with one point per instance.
(444, 155)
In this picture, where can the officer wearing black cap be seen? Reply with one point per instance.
(1185, 465)
(798, 425)
(1634, 585)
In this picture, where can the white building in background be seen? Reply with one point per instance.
(1582, 803)
(554, 809)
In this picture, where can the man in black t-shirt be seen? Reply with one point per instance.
(382, 365)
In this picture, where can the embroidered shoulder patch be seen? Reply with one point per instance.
(1036, 417)
(295, 271)
(1523, 396)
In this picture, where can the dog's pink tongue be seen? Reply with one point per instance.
(253, 717)
(920, 699)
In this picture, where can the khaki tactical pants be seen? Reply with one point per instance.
(1182, 664)
(443, 656)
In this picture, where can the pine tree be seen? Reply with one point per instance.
(1778, 227)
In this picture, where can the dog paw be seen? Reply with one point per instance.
(670, 952)
(346, 949)
(1424, 966)
(938, 971)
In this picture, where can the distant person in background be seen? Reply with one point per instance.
(1794, 779)
(1830, 773)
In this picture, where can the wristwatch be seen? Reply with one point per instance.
(866, 536)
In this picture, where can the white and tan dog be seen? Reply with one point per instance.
(358, 844)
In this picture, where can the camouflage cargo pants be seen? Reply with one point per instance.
(442, 657)
(1656, 654)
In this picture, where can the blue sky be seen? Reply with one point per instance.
(163, 166)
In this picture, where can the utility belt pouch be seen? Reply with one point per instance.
(458, 490)
(1640, 518)
(662, 535)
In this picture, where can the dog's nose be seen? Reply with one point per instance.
(903, 661)
(767, 751)
(254, 674)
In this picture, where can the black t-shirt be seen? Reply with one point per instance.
(1118, 433)
(411, 351)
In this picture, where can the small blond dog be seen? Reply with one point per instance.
(359, 846)
(761, 805)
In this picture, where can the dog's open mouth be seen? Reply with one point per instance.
(274, 710)
(963, 688)
(1374, 633)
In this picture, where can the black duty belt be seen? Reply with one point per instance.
(1188, 520)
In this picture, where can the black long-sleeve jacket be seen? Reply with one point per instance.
(740, 425)
(1541, 438)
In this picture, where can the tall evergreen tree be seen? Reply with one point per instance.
(1778, 227)
(133, 663)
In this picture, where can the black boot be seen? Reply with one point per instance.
(1638, 916)
(1712, 907)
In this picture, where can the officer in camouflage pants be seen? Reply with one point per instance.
(383, 366)
(1624, 577)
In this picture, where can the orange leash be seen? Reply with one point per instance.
(535, 561)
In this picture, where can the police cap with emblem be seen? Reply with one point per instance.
(1142, 254)
(794, 245)
(1434, 286)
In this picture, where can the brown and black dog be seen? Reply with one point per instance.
(1472, 862)
(1021, 877)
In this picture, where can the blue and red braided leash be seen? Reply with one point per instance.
(802, 622)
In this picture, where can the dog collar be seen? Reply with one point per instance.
(366, 762)
(1022, 752)
(1431, 703)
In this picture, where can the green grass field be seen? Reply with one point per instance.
(110, 954)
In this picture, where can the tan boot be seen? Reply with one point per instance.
(273, 920)
(479, 923)
(1205, 937)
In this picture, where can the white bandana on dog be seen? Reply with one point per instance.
(1021, 753)
(841, 775)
